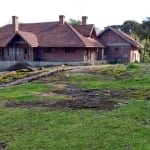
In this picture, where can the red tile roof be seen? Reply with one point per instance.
(124, 36)
(86, 30)
(29, 37)
(50, 34)
(87, 41)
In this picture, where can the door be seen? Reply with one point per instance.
(19, 52)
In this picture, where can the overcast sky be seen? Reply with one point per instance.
(100, 12)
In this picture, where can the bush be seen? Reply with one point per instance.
(133, 66)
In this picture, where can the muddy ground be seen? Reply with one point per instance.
(78, 98)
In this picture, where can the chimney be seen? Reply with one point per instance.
(61, 19)
(15, 23)
(84, 20)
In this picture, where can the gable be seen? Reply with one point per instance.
(23, 38)
(109, 37)
(113, 35)
(84, 29)
(17, 39)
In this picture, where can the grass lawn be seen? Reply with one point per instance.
(126, 127)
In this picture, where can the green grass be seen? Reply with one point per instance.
(25, 92)
(124, 128)
(119, 76)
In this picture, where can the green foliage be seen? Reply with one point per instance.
(133, 66)
(130, 26)
(12, 76)
(15, 75)
(74, 22)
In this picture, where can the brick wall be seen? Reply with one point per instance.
(118, 50)
(59, 54)
(111, 37)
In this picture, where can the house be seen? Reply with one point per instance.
(120, 47)
(49, 43)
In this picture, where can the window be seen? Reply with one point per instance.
(19, 51)
(15, 51)
(69, 50)
(125, 56)
(116, 49)
(49, 50)
(109, 51)
(10, 52)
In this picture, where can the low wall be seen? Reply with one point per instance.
(43, 63)
(5, 64)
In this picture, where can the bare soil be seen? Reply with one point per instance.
(78, 98)
(72, 104)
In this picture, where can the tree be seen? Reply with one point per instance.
(130, 26)
(74, 22)
(146, 27)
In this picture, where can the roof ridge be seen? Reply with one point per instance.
(83, 25)
(38, 23)
(77, 33)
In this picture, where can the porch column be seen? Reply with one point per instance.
(85, 56)
(30, 53)
(102, 53)
(14, 52)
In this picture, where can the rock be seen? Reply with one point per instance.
(19, 66)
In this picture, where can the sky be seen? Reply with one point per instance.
(102, 13)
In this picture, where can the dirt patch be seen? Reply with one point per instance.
(28, 104)
(78, 99)
(93, 94)
(85, 104)
(72, 104)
